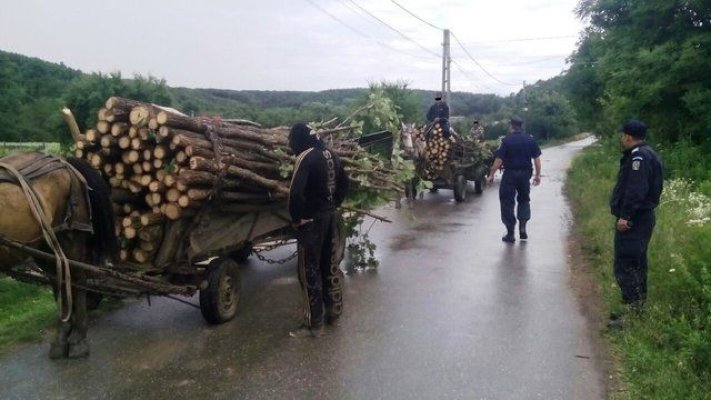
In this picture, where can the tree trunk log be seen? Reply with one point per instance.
(149, 219)
(179, 121)
(119, 128)
(120, 103)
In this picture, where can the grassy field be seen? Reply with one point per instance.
(666, 352)
(27, 310)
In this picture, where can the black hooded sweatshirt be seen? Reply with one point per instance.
(319, 183)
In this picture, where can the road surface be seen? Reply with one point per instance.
(451, 313)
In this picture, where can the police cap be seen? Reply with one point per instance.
(516, 121)
(635, 128)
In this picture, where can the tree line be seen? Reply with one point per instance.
(32, 92)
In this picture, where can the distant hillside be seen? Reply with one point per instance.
(32, 92)
(30, 95)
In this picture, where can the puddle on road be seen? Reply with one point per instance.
(404, 242)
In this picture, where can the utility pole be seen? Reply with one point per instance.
(446, 70)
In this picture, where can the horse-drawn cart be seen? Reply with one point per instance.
(204, 257)
(448, 163)
(465, 164)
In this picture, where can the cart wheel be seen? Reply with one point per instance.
(479, 186)
(460, 188)
(219, 300)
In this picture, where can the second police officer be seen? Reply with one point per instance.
(515, 155)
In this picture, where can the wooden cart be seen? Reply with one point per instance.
(468, 161)
(205, 258)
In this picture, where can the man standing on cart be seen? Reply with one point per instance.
(515, 154)
(318, 186)
(439, 113)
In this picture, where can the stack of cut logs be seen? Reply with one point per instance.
(163, 165)
(437, 150)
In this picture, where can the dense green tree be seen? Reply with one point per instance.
(645, 59)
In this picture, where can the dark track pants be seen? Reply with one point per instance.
(319, 273)
(631, 258)
(513, 183)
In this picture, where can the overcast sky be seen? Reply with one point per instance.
(298, 44)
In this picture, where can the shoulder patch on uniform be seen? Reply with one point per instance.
(637, 158)
(636, 149)
(635, 165)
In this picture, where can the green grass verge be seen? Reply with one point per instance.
(666, 352)
(26, 311)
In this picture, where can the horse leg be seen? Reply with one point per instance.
(78, 345)
(59, 348)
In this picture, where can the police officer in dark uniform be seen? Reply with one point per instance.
(318, 186)
(515, 154)
(634, 198)
(439, 112)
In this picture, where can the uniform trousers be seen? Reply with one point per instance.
(515, 188)
(630, 265)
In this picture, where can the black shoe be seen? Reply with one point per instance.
(509, 238)
(523, 235)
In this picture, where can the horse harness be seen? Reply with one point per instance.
(41, 164)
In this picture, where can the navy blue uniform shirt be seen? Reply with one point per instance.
(639, 182)
(517, 150)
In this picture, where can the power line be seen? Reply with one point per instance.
(394, 30)
(479, 65)
(536, 61)
(359, 32)
(415, 15)
(523, 39)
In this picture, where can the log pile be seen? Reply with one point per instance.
(438, 147)
(439, 151)
(163, 165)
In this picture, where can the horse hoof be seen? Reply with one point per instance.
(79, 350)
(58, 350)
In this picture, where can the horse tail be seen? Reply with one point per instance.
(104, 242)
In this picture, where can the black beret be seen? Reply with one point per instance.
(516, 121)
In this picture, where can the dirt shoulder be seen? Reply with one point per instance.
(585, 284)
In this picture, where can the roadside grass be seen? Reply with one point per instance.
(27, 310)
(666, 352)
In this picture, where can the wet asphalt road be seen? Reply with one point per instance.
(451, 313)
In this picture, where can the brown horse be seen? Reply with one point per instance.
(76, 202)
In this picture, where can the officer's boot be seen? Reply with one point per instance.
(522, 230)
(509, 237)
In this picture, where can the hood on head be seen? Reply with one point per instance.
(301, 139)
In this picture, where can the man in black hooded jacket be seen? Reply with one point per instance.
(318, 186)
